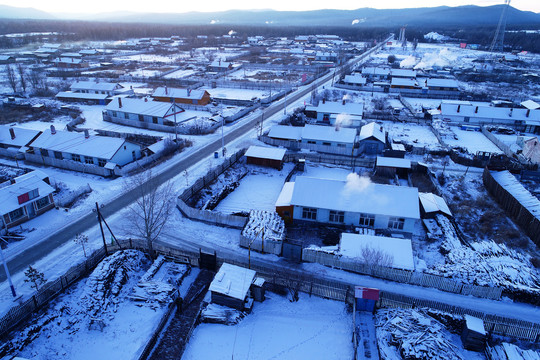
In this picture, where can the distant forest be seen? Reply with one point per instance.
(103, 31)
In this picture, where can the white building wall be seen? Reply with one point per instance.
(124, 154)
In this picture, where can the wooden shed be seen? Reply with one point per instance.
(388, 166)
(231, 286)
(474, 334)
(265, 156)
(283, 203)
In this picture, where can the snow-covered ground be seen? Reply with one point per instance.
(180, 74)
(419, 136)
(472, 141)
(312, 328)
(258, 190)
(237, 93)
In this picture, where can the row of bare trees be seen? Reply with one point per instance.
(18, 78)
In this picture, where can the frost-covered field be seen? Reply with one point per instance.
(312, 328)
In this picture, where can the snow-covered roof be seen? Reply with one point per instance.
(490, 112)
(284, 198)
(286, 132)
(514, 187)
(94, 85)
(372, 130)
(23, 184)
(68, 60)
(354, 79)
(82, 96)
(447, 83)
(22, 136)
(356, 195)
(475, 324)
(75, 143)
(328, 133)
(138, 106)
(375, 71)
(271, 153)
(179, 93)
(393, 162)
(400, 250)
(406, 73)
(530, 104)
(433, 203)
(338, 107)
(233, 281)
(220, 64)
(404, 82)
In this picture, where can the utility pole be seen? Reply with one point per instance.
(175, 126)
(101, 228)
(7, 272)
(222, 137)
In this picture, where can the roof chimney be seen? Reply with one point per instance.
(12, 133)
(528, 112)
(119, 102)
(188, 92)
(343, 102)
(86, 134)
(166, 91)
(476, 110)
(145, 99)
(323, 101)
(53, 130)
(511, 112)
(458, 108)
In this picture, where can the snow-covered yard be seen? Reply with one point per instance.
(419, 136)
(312, 328)
(472, 141)
(258, 190)
(237, 93)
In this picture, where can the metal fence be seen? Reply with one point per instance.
(400, 275)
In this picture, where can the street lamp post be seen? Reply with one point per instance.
(7, 272)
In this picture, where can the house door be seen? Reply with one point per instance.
(31, 211)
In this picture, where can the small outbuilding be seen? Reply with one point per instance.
(389, 166)
(265, 156)
(372, 139)
(231, 286)
(432, 204)
(474, 334)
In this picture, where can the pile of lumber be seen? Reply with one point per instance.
(506, 351)
(415, 334)
(218, 314)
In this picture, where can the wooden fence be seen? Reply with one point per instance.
(399, 275)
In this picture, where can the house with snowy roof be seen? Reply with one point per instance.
(71, 63)
(326, 56)
(92, 91)
(143, 113)
(13, 140)
(231, 287)
(25, 197)
(404, 83)
(265, 156)
(343, 138)
(403, 73)
(526, 120)
(82, 152)
(372, 139)
(181, 96)
(376, 73)
(220, 65)
(442, 84)
(356, 201)
(355, 80)
(327, 112)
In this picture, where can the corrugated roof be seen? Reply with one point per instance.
(286, 132)
(328, 133)
(22, 136)
(490, 112)
(139, 106)
(354, 79)
(179, 93)
(337, 107)
(393, 162)
(263, 152)
(372, 130)
(449, 83)
(75, 143)
(433, 203)
(93, 85)
(82, 96)
(367, 197)
(233, 281)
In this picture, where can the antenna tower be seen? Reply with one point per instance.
(498, 39)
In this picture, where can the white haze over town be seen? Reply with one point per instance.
(65, 6)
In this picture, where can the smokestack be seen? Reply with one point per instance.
(53, 130)
(343, 102)
(166, 90)
(86, 134)
(528, 112)
(476, 110)
(511, 112)
(119, 102)
(188, 92)
(323, 101)
(458, 108)
(12, 133)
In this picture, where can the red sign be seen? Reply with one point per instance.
(23, 198)
(463, 45)
(361, 292)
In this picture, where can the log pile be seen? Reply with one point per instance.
(506, 351)
(415, 335)
(218, 314)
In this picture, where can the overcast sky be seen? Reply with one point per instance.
(98, 6)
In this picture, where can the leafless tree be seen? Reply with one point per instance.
(35, 277)
(82, 240)
(36, 78)
(10, 74)
(22, 76)
(154, 205)
(377, 257)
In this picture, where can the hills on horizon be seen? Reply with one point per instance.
(439, 16)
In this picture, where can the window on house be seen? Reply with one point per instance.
(33, 194)
(327, 143)
(341, 145)
(134, 155)
(101, 162)
(337, 216)
(58, 155)
(309, 213)
(326, 118)
(88, 160)
(44, 152)
(367, 220)
(41, 203)
(114, 114)
(141, 118)
(126, 115)
(16, 214)
(467, 119)
(311, 142)
(76, 157)
(154, 120)
(396, 223)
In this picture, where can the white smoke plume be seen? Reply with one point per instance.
(356, 183)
